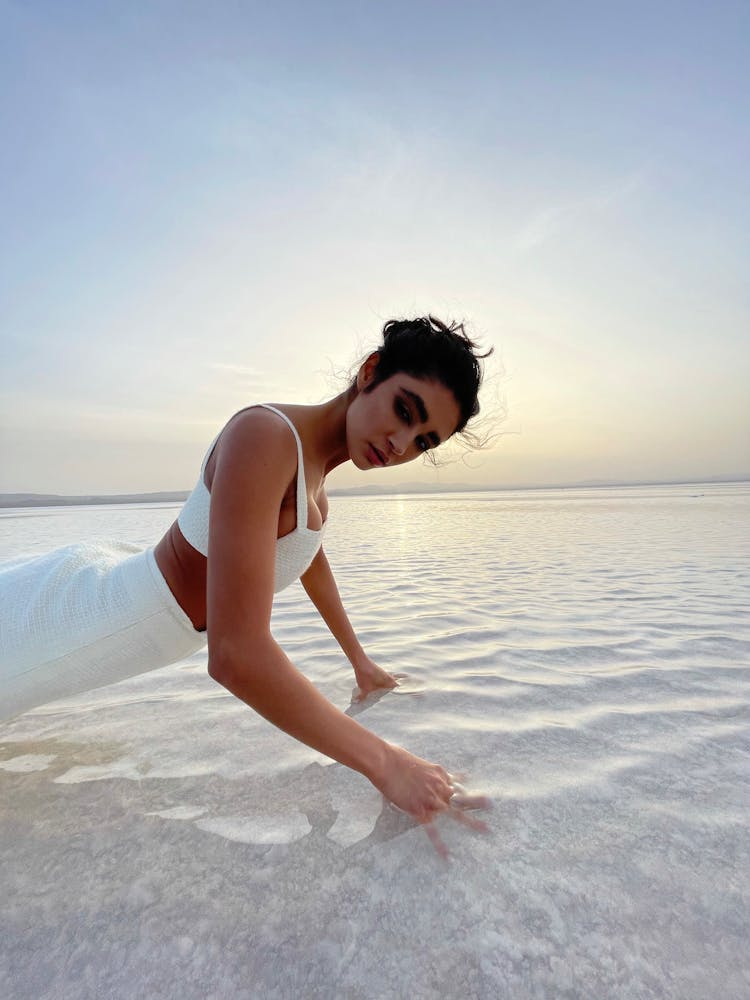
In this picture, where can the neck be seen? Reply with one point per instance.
(328, 431)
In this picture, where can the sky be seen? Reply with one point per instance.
(209, 205)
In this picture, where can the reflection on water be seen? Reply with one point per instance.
(581, 655)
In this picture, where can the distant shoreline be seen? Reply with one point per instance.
(53, 500)
(24, 500)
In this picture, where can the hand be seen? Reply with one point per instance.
(424, 790)
(370, 677)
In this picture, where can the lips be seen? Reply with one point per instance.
(375, 456)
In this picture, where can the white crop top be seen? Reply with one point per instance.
(294, 552)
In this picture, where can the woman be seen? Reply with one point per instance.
(90, 615)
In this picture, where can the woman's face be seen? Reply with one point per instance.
(399, 419)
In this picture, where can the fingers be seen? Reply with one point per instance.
(474, 824)
(436, 840)
(424, 790)
(454, 807)
(462, 801)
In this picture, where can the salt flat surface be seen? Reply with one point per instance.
(582, 655)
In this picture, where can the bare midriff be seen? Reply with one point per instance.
(184, 569)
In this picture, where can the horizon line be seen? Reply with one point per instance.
(29, 499)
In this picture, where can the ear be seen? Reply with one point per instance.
(367, 370)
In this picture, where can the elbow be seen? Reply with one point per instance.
(230, 665)
(217, 670)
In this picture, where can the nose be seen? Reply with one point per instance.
(399, 442)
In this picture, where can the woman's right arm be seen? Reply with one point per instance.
(256, 460)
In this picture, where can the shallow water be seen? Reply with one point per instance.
(582, 655)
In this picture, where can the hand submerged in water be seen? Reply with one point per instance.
(425, 791)
(370, 677)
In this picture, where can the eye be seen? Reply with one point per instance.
(403, 411)
(423, 444)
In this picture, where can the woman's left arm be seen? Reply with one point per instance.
(319, 582)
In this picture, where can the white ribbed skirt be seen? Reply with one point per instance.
(84, 616)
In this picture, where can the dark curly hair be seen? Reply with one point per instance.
(428, 348)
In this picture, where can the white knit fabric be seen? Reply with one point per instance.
(294, 552)
(84, 616)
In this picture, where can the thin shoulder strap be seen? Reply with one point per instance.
(301, 487)
(206, 457)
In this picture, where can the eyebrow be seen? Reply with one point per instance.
(423, 414)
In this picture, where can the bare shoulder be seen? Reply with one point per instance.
(253, 440)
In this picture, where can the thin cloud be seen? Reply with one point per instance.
(241, 371)
(242, 377)
(550, 222)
